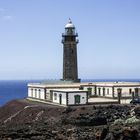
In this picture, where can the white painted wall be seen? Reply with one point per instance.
(71, 99)
(125, 91)
(33, 94)
(108, 92)
(29, 92)
(36, 94)
(42, 92)
(58, 95)
(92, 87)
(48, 90)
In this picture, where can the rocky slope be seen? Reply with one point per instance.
(24, 120)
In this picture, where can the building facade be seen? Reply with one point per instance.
(79, 93)
(67, 94)
(70, 97)
(111, 89)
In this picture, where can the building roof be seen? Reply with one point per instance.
(70, 24)
(60, 84)
(70, 90)
(118, 84)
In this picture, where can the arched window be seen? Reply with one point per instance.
(108, 91)
(130, 91)
(99, 91)
(31, 92)
(39, 92)
(55, 96)
(103, 91)
(35, 93)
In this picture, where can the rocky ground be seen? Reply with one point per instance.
(25, 120)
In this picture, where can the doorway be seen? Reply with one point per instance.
(136, 92)
(60, 99)
(77, 99)
(89, 92)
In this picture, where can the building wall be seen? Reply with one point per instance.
(71, 98)
(104, 91)
(56, 99)
(125, 91)
(112, 91)
(92, 89)
(36, 93)
(29, 92)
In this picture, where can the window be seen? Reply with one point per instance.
(108, 91)
(77, 99)
(103, 91)
(35, 93)
(89, 91)
(55, 96)
(99, 90)
(31, 91)
(72, 51)
(39, 92)
(136, 92)
(81, 88)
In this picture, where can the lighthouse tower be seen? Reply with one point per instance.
(70, 69)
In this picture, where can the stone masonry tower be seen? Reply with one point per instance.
(70, 69)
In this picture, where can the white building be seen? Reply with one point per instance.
(111, 89)
(70, 97)
(78, 93)
(65, 94)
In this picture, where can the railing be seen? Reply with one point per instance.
(66, 34)
(63, 41)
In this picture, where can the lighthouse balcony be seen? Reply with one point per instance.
(70, 34)
(67, 41)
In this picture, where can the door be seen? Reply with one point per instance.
(77, 99)
(103, 91)
(136, 92)
(89, 92)
(60, 99)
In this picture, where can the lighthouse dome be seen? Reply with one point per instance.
(69, 24)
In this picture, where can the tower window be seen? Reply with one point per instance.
(72, 51)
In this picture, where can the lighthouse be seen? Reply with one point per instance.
(70, 41)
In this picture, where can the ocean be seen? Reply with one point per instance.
(13, 89)
(17, 89)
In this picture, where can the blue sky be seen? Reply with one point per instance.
(30, 38)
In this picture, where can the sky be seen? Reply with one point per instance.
(31, 34)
